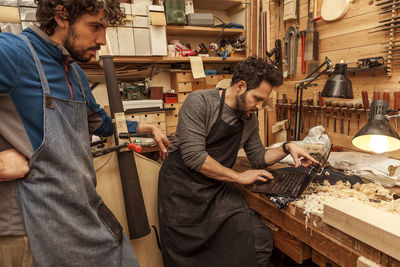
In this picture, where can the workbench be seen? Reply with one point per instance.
(303, 239)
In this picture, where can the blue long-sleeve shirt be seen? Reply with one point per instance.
(19, 79)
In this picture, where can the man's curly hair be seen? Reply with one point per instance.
(73, 9)
(255, 70)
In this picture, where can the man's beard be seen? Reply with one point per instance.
(78, 55)
(241, 107)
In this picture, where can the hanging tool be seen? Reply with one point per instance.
(310, 106)
(386, 20)
(387, 2)
(389, 6)
(104, 151)
(396, 105)
(375, 96)
(365, 100)
(321, 105)
(386, 29)
(342, 108)
(316, 107)
(277, 52)
(335, 109)
(328, 104)
(308, 55)
(388, 11)
(386, 96)
(359, 109)
(303, 43)
(290, 59)
(350, 108)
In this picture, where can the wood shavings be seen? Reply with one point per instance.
(373, 194)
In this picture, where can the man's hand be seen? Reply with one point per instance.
(297, 152)
(160, 138)
(251, 176)
(162, 142)
(13, 165)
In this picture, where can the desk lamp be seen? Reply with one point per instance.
(377, 135)
(338, 86)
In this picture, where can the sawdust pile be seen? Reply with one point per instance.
(373, 194)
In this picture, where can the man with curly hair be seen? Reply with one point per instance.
(47, 110)
(204, 221)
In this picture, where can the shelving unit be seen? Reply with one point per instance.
(166, 60)
(218, 5)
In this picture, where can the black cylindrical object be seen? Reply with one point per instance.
(134, 204)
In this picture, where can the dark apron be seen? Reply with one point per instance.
(66, 221)
(203, 221)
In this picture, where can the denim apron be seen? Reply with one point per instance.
(205, 222)
(65, 219)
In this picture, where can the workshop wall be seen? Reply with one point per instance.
(345, 39)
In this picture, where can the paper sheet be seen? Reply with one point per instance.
(9, 14)
(157, 19)
(196, 63)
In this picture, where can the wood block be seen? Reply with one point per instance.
(372, 226)
(291, 246)
(364, 262)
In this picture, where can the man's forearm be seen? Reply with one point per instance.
(213, 169)
(273, 155)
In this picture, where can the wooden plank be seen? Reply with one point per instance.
(321, 260)
(374, 227)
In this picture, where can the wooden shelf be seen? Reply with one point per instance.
(216, 4)
(196, 31)
(153, 59)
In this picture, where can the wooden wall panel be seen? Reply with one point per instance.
(346, 39)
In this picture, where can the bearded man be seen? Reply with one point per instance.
(204, 221)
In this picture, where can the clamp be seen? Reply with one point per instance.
(290, 58)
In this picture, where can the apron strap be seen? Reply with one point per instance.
(79, 80)
(221, 104)
(39, 67)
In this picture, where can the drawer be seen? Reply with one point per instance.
(212, 79)
(183, 77)
(171, 120)
(198, 84)
(160, 125)
(184, 87)
(224, 76)
(182, 97)
(150, 117)
(172, 105)
(159, 117)
(171, 130)
(132, 117)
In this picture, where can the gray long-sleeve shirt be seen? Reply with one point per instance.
(196, 118)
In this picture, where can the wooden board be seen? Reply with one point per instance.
(374, 227)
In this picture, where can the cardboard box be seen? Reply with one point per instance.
(142, 41)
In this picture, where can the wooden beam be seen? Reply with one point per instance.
(235, 9)
(370, 225)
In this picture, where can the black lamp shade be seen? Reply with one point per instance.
(338, 86)
(377, 135)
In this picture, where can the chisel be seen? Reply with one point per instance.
(350, 108)
(342, 107)
(335, 108)
(396, 105)
(328, 104)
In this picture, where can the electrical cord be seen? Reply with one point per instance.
(105, 163)
(223, 28)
